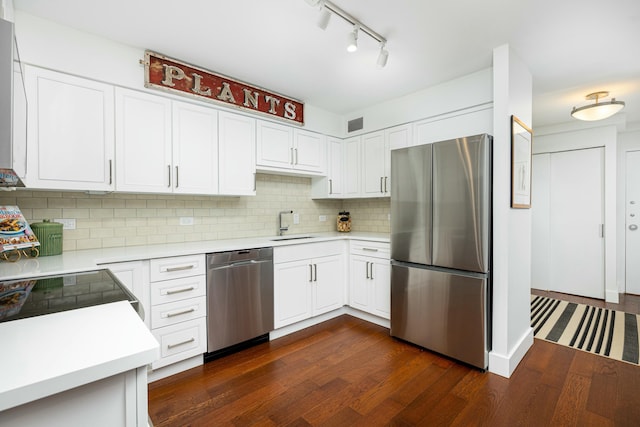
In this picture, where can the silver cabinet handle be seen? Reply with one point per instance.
(371, 273)
(315, 272)
(296, 151)
(178, 291)
(330, 186)
(310, 272)
(370, 249)
(110, 172)
(367, 269)
(381, 179)
(254, 182)
(385, 184)
(179, 268)
(178, 313)
(176, 176)
(169, 172)
(633, 227)
(292, 155)
(190, 340)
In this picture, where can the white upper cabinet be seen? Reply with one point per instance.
(195, 149)
(281, 148)
(375, 173)
(165, 146)
(70, 134)
(352, 168)
(143, 142)
(237, 150)
(399, 136)
(331, 186)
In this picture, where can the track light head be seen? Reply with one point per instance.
(383, 56)
(352, 40)
(324, 18)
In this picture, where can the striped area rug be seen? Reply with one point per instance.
(601, 331)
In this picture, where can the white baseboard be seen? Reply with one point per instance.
(386, 323)
(295, 327)
(612, 296)
(504, 365)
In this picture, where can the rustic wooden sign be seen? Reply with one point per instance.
(175, 76)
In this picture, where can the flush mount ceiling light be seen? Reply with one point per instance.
(327, 8)
(597, 110)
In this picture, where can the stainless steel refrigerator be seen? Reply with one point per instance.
(441, 247)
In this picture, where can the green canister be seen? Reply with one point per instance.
(49, 235)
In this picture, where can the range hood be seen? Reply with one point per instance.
(12, 96)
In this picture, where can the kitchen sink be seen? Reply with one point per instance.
(279, 239)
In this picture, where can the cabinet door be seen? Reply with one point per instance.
(195, 149)
(399, 136)
(309, 151)
(70, 132)
(352, 173)
(373, 164)
(335, 166)
(328, 284)
(360, 283)
(237, 151)
(274, 145)
(134, 275)
(380, 273)
(292, 292)
(143, 142)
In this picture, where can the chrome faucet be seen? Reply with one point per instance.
(286, 227)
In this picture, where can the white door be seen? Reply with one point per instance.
(632, 223)
(576, 218)
(274, 145)
(309, 151)
(328, 284)
(351, 183)
(373, 164)
(540, 254)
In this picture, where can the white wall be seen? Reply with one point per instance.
(473, 90)
(512, 334)
(603, 136)
(50, 45)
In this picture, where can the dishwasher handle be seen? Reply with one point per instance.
(239, 264)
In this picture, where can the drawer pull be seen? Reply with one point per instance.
(177, 291)
(370, 249)
(190, 340)
(179, 268)
(178, 313)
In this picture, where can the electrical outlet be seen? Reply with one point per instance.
(186, 220)
(296, 218)
(322, 218)
(67, 223)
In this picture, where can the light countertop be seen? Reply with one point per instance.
(48, 354)
(76, 261)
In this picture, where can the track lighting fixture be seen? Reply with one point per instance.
(324, 18)
(382, 56)
(327, 8)
(352, 40)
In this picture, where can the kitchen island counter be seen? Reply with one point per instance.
(44, 357)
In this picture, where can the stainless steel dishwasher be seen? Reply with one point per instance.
(239, 300)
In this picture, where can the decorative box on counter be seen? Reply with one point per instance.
(344, 222)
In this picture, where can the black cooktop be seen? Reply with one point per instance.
(52, 294)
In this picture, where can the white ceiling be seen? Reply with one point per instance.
(572, 47)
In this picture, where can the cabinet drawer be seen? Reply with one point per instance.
(181, 341)
(178, 289)
(308, 250)
(178, 311)
(176, 267)
(371, 249)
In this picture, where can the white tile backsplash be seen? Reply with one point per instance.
(116, 219)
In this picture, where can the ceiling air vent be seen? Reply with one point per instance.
(355, 124)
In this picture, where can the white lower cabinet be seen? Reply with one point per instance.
(308, 281)
(135, 276)
(370, 284)
(178, 307)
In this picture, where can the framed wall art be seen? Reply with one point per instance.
(521, 143)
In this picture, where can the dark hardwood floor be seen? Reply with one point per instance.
(348, 372)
